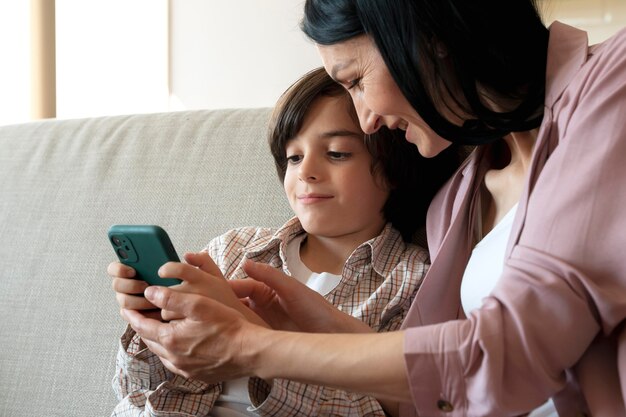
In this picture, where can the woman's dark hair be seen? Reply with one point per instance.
(413, 180)
(434, 48)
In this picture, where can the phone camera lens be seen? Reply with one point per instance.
(122, 253)
(116, 241)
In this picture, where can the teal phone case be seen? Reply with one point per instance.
(145, 248)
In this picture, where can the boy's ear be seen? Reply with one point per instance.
(385, 183)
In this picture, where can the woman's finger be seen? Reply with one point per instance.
(188, 305)
(168, 315)
(151, 330)
(153, 313)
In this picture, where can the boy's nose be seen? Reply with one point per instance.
(307, 170)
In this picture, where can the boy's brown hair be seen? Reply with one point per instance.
(412, 179)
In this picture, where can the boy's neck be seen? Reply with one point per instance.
(328, 254)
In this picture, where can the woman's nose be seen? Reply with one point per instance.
(370, 121)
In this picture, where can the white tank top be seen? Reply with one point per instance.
(482, 273)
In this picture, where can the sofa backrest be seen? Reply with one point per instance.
(62, 184)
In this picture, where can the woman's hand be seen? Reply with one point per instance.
(215, 343)
(206, 344)
(287, 304)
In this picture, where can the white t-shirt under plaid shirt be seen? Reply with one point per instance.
(378, 284)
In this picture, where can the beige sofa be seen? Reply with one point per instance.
(62, 184)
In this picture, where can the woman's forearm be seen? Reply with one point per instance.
(369, 363)
(214, 343)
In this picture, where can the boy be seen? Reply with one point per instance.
(358, 201)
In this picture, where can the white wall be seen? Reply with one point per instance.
(245, 53)
(600, 18)
(235, 53)
(15, 67)
(111, 57)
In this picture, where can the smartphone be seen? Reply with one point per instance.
(145, 248)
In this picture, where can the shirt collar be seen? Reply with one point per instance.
(568, 50)
(281, 238)
(379, 251)
(384, 250)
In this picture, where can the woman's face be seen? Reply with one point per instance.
(358, 66)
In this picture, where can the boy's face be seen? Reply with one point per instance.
(328, 180)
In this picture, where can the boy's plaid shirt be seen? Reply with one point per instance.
(379, 282)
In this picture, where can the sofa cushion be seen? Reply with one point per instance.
(62, 184)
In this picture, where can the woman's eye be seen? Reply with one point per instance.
(354, 83)
(294, 159)
(338, 156)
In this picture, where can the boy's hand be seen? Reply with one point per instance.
(200, 275)
(129, 291)
(287, 304)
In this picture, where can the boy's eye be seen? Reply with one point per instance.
(338, 156)
(294, 159)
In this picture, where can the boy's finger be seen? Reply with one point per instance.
(283, 284)
(180, 270)
(128, 285)
(118, 269)
(258, 292)
(133, 302)
(203, 261)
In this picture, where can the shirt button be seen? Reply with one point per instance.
(445, 406)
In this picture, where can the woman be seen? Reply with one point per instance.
(548, 112)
